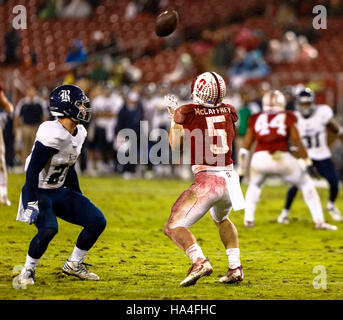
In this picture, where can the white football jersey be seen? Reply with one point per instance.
(53, 134)
(313, 132)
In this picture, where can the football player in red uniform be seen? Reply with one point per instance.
(273, 129)
(7, 107)
(207, 128)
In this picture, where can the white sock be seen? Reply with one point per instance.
(312, 200)
(234, 257)
(251, 198)
(285, 213)
(330, 205)
(194, 252)
(3, 190)
(31, 263)
(77, 254)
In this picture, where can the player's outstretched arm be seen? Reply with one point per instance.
(335, 127)
(176, 136)
(5, 103)
(243, 154)
(296, 141)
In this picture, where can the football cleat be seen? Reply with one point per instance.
(5, 202)
(26, 276)
(282, 219)
(249, 224)
(197, 271)
(233, 275)
(325, 226)
(334, 213)
(79, 269)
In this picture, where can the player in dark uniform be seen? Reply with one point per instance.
(52, 189)
(216, 186)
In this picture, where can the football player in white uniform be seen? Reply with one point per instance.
(7, 107)
(52, 189)
(313, 122)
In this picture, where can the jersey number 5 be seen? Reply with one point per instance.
(262, 126)
(212, 132)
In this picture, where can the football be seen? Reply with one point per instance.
(166, 23)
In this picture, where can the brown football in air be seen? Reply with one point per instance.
(166, 23)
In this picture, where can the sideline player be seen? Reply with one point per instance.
(7, 107)
(313, 121)
(272, 129)
(52, 189)
(216, 186)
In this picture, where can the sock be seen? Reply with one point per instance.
(251, 198)
(3, 191)
(285, 213)
(31, 263)
(234, 257)
(312, 200)
(77, 254)
(329, 205)
(194, 252)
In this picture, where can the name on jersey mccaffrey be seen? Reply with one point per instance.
(208, 111)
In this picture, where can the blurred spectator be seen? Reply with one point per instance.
(47, 9)
(29, 113)
(76, 9)
(76, 53)
(131, 10)
(183, 68)
(306, 51)
(98, 70)
(251, 66)
(285, 15)
(106, 107)
(11, 44)
(335, 8)
(129, 117)
(131, 74)
(224, 50)
(245, 39)
(289, 47)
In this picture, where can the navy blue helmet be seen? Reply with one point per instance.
(70, 101)
(304, 102)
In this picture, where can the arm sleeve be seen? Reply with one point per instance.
(39, 158)
(72, 181)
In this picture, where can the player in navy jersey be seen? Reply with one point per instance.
(52, 189)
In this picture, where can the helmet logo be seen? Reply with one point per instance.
(201, 84)
(65, 95)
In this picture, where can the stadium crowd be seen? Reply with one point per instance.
(121, 99)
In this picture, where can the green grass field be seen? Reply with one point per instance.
(135, 260)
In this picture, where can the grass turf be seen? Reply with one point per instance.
(135, 260)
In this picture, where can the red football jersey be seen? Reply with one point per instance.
(271, 130)
(216, 126)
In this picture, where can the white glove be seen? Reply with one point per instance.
(31, 213)
(305, 163)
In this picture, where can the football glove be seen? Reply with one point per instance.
(32, 212)
(305, 163)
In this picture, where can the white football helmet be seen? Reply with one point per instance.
(273, 100)
(208, 89)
